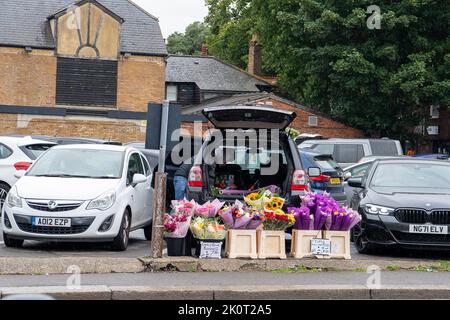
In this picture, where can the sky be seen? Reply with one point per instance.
(175, 15)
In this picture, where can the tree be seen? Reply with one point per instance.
(190, 42)
(380, 80)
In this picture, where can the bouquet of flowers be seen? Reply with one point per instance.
(207, 229)
(259, 200)
(209, 209)
(176, 225)
(257, 220)
(184, 207)
(277, 220)
(320, 211)
(235, 216)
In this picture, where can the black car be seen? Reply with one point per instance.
(403, 202)
(332, 178)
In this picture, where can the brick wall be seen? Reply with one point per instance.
(30, 80)
(325, 126)
(27, 79)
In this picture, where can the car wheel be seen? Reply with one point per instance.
(148, 232)
(11, 243)
(120, 242)
(359, 236)
(4, 189)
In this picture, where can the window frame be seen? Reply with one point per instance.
(176, 92)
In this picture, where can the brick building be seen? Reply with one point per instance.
(87, 69)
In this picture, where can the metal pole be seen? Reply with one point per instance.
(159, 194)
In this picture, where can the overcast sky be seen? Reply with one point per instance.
(175, 15)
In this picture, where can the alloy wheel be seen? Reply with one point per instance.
(125, 229)
(3, 194)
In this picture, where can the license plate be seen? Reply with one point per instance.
(428, 229)
(51, 222)
(335, 181)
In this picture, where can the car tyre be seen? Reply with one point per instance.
(148, 232)
(4, 189)
(12, 243)
(120, 242)
(359, 236)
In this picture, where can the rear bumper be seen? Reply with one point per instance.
(387, 230)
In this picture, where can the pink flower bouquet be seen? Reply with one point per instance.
(209, 209)
(176, 225)
(235, 217)
(184, 207)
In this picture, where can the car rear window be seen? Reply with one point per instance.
(383, 148)
(349, 153)
(35, 150)
(327, 164)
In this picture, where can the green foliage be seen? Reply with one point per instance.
(325, 56)
(190, 42)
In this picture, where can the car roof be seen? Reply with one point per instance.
(105, 147)
(23, 140)
(411, 159)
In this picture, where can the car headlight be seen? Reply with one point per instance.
(13, 199)
(104, 202)
(375, 209)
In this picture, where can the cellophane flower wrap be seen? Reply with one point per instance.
(176, 225)
(207, 229)
(183, 207)
(236, 216)
(321, 212)
(258, 200)
(209, 209)
(277, 220)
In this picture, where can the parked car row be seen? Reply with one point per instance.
(101, 192)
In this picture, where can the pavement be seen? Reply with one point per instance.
(234, 285)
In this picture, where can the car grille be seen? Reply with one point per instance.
(52, 230)
(423, 238)
(42, 205)
(420, 216)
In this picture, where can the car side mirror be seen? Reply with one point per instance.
(138, 179)
(19, 174)
(347, 175)
(314, 172)
(355, 182)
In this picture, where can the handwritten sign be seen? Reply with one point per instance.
(210, 250)
(321, 247)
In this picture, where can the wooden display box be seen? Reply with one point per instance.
(271, 244)
(301, 243)
(241, 244)
(340, 244)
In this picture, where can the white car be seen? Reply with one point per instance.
(93, 193)
(17, 153)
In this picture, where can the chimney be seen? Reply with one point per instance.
(204, 49)
(255, 56)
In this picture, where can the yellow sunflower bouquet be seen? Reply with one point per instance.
(258, 200)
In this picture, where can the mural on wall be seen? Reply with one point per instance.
(87, 30)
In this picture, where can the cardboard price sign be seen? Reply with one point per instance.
(321, 247)
(210, 250)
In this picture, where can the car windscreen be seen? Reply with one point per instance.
(33, 151)
(79, 163)
(412, 175)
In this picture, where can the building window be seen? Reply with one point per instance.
(172, 93)
(313, 121)
(86, 82)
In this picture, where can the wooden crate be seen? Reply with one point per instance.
(340, 244)
(271, 244)
(241, 244)
(301, 243)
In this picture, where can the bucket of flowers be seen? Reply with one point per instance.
(320, 216)
(271, 239)
(176, 227)
(210, 235)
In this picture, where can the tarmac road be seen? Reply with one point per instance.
(139, 247)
